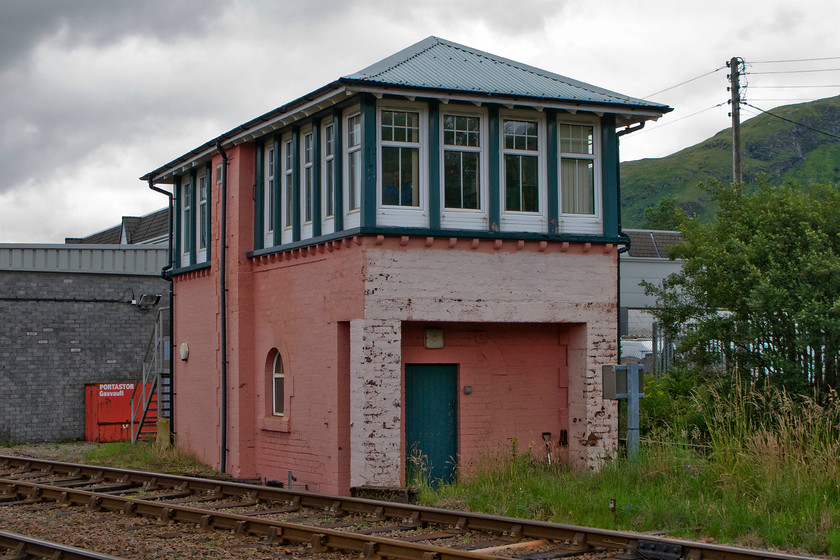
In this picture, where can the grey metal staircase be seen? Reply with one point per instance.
(152, 397)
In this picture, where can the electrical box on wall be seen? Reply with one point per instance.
(615, 381)
(433, 338)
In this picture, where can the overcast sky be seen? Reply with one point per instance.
(95, 93)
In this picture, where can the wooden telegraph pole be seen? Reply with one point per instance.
(734, 65)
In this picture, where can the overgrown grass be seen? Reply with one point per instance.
(145, 455)
(758, 469)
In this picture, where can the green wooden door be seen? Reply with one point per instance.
(431, 422)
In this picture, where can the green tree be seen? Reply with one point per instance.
(759, 290)
(666, 215)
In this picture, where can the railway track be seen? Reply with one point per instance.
(320, 523)
(21, 547)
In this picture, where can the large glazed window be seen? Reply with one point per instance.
(400, 136)
(354, 162)
(461, 162)
(521, 161)
(288, 188)
(269, 194)
(186, 220)
(307, 182)
(203, 226)
(577, 168)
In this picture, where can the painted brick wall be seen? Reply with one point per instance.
(444, 280)
(49, 350)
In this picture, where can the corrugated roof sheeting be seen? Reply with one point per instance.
(438, 64)
(652, 243)
(93, 259)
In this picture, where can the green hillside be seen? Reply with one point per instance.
(780, 150)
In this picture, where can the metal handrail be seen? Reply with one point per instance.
(150, 372)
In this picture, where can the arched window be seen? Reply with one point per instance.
(277, 382)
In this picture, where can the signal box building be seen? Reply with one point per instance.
(416, 263)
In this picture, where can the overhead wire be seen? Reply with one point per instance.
(679, 119)
(791, 121)
(794, 60)
(685, 82)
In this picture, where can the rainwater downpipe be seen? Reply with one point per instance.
(626, 245)
(222, 303)
(164, 274)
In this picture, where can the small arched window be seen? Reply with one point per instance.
(278, 381)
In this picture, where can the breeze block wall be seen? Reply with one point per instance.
(52, 346)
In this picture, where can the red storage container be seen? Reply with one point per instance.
(108, 411)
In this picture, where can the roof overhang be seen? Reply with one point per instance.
(338, 91)
(301, 108)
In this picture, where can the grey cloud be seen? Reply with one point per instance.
(24, 24)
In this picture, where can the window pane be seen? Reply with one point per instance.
(354, 131)
(400, 176)
(513, 201)
(202, 234)
(328, 187)
(461, 179)
(577, 186)
(328, 140)
(288, 200)
(355, 168)
(521, 184)
(461, 131)
(307, 194)
(400, 126)
(530, 182)
(576, 139)
(521, 135)
(279, 382)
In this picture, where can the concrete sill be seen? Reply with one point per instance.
(273, 424)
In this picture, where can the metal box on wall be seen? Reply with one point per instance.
(108, 411)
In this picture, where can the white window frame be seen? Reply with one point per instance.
(327, 178)
(275, 376)
(404, 216)
(517, 220)
(202, 215)
(307, 180)
(466, 218)
(581, 223)
(186, 218)
(352, 216)
(287, 188)
(269, 192)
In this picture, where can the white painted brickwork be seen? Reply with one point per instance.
(375, 397)
(468, 285)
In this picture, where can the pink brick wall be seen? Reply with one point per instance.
(346, 315)
(518, 377)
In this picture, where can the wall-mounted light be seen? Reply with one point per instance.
(185, 351)
(147, 301)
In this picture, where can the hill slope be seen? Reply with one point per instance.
(780, 150)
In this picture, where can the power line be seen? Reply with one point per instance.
(793, 60)
(792, 121)
(787, 87)
(679, 119)
(796, 71)
(685, 82)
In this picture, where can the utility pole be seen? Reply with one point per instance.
(734, 65)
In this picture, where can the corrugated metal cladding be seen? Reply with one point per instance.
(436, 63)
(92, 259)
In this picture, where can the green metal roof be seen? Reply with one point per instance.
(437, 64)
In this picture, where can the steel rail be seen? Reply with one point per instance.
(319, 539)
(20, 546)
(583, 538)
